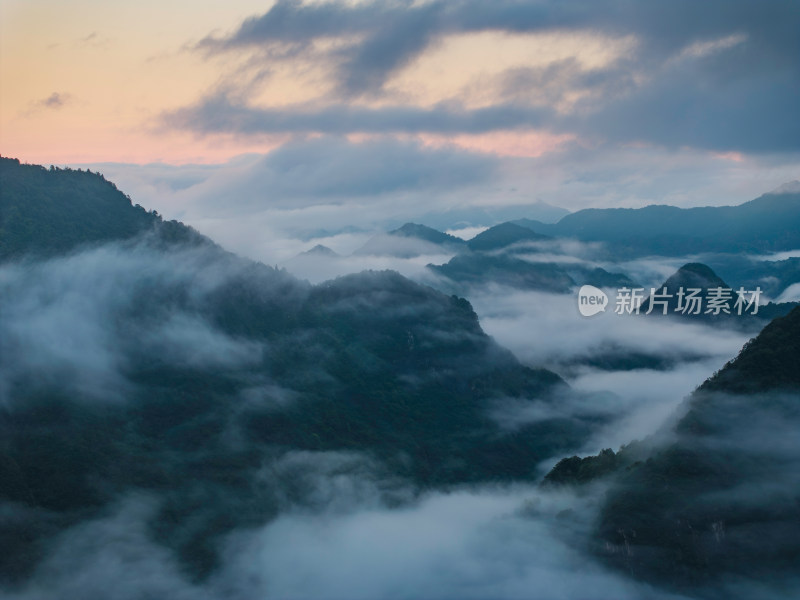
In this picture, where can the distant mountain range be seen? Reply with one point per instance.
(488, 217)
(769, 223)
(409, 241)
(510, 255)
(501, 255)
(502, 236)
(728, 238)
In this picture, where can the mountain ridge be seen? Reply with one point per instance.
(675, 512)
(181, 371)
(768, 223)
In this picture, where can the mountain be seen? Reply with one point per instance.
(716, 494)
(696, 292)
(320, 250)
(489, 216)
(501, 236)
(409, 241)
(769, 223)
(506, 255)
(768, 362)
(140, 361)
(421, 232)
(692, 281)
(471, 269)
(319, 263)
(773, 276)
(534, 224)
(48, 212)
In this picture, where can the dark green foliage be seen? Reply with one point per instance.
(46, 212)
(506, 268)
(577, 471)
(502, 236)
(616, 357)
(722, 497)
(769, 361)
(480, 268)
(411, 240)
(370, 364)
(497, 256)
(598, 277)
(421, 232)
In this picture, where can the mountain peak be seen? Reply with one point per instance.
(45, 212)
(411, 240)
(423, 232)
(691, 276)
(695, 275)
(320, 250)
(503, 235)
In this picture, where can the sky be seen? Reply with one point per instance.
(294, 117)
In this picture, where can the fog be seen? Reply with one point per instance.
(318, 187)
(547, 330)
(342, 526)
(63, 320)
(632, 369)
(472, 543)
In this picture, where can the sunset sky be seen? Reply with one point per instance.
(209, 110)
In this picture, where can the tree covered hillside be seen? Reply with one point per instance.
(222, 389)
(45, 212)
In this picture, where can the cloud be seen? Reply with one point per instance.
(469, 544)
(221, 113)
(733, 471)
(111, 557)
(322, 170)
(706, 48)
(635, 372)
(270, 206)
(790, 294)
(745, 54)
(335, 168)
(55, 334)
(271, 209)
(325, 524)
(317, 268)
(563, 335)
(393, 34)
(485, 542)
(53, 102)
